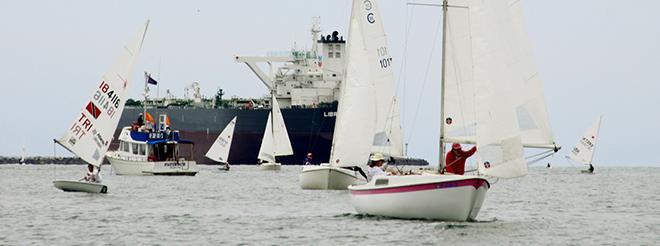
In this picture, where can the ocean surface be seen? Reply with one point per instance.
(246, 206)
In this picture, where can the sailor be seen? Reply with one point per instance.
(93, 174)
(376, 166)
(140, 120)
(591, 168)
(308, 159)
(456, 159)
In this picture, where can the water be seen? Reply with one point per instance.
(248, 206)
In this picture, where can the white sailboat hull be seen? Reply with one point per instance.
(435, 197)
(270, 166)
(328, 178)
(80, 186)
(137, 168)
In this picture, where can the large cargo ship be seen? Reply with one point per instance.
(305, 82)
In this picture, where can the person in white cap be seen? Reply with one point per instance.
(376, 166)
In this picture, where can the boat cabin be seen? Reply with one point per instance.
(138, 145)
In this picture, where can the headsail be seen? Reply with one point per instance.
(498, 27)
(583, 151)
(219, 151)
(91, 132)
(276, 138)
(356, 113)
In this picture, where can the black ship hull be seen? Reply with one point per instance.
(310, 130)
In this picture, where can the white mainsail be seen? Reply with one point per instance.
(90, 134)
(219, 151)
(496, 27)
(276, 139)
(493, 95)
(388, 133)
(356, 114)
(583, 151)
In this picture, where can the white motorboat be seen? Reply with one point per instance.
(276, 139)
(89, 136)
(327, 177)
(436, 197)
(151, 153)
(491, 97)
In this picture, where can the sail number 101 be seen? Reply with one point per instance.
(384, 57)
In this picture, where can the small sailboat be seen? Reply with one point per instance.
(275, 141)
(491, 97)
(22, 160)
(219, 151)
(361, 127)
(584, 150)
(90, 134)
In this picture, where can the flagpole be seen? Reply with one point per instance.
(144, 104)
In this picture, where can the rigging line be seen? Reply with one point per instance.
(401, 81)
(428, 67)
(534, 161)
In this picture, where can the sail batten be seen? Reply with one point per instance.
(91, 132)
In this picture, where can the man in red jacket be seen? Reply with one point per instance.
(456, 158)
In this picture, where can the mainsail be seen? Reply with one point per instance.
(493, 95)
(490, 35)
(356, 114)
(91, 132)
(219, 151)
(583, 151)
(276, 139)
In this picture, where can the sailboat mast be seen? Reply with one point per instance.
(445, 5)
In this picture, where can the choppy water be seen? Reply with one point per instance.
(248, 206)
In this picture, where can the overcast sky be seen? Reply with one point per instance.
(594, 56)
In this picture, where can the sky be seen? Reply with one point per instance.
(595, 57)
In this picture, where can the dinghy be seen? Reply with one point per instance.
(491, 97)
(219, 151)
(584, 150)
(89, 136)
(80, 186)
(275, 141)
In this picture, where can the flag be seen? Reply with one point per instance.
(93, 110)
(149, 79)
(149, 118)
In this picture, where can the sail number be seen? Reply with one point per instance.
(384, 58)
(110, 102)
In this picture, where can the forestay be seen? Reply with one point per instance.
(276, 138)
(91, 132)
(219, 151)
(507, 39)
(583, 151)
(356, 114)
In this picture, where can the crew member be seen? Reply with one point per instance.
(93, 174)
(308, 159)
(140, 120)
(591, 168)
(456, 158)
(376, 166)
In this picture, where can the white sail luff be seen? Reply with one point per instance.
(91, 132)
(219, 151)
(356, 113)
(266, 152)
(584, 150)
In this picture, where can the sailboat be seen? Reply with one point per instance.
(584, 150)
(22, 160)
(219, 151)
(90, 134)
(275, 141)
(365, 124)
(491, 97)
